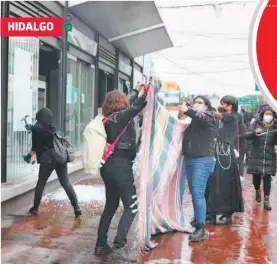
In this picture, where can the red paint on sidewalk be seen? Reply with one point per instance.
(55, 237)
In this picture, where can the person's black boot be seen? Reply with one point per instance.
(198, 235)
(210, 220)
(224, 220)
(103, 250)
(258, 196)
(34, 211)
(267, 205)
(77, 211)
(123, 254)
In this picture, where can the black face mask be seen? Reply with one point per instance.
(221, 110)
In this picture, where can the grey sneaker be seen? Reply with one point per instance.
(123, 254)
(103, 251)
(198, 235)
(267, 205)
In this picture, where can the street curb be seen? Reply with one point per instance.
(23, 185)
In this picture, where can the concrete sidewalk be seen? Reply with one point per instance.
(55, 237)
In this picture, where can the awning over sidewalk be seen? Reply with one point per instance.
(135, 27)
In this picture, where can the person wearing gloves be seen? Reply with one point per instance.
(198, 149)
(262, 158)
(42, 147)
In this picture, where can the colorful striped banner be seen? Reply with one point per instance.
(161, 187)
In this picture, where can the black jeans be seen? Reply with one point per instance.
(47, 165)
(117, 175)
(257, 180)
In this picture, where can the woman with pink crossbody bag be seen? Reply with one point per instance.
(117, 172)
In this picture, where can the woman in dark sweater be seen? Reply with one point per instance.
(42, 146)
(262, 158)
(117, 172)
(198, 149)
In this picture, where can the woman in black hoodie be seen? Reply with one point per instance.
(42, 146)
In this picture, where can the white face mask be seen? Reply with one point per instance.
(268, 118)
(199, 107)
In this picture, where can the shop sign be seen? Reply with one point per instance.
(247, 101)
(172, 97)
(170, 86)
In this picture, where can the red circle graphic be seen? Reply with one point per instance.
(266, 47)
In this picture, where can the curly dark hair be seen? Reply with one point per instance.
(115, 101)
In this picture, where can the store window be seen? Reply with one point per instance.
(79, 100)
(138, 77)
(22, 102)
(106, 84)
(86, 96)
(123, 86)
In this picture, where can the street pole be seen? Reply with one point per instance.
(4, 94)
(62, 92)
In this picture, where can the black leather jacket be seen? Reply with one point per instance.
(119, 120)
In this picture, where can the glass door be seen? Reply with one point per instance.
(72, 102)
(79, 100)
(86, 84)
(22, 102)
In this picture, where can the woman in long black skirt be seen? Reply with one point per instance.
(224, 192)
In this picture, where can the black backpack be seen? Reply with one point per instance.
(63, 150)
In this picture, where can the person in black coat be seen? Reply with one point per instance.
(224, 192)
(42, 147)
(262, 158)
